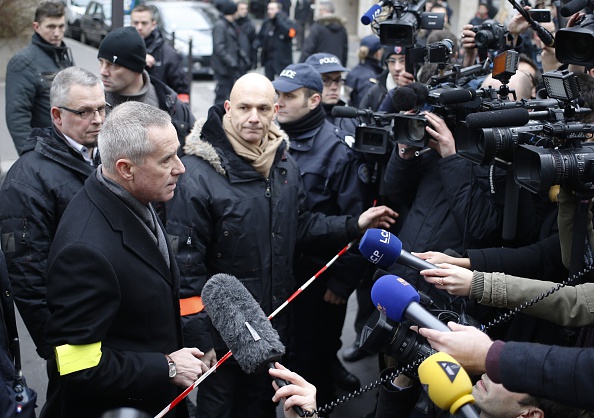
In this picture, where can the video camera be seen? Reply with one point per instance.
(399, 24)
(575, 45)
(544, 146)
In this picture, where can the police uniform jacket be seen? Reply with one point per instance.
(336, 180)
(361, 78)
(108, 283)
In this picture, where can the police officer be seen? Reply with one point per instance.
(335, 180)
(331, 70)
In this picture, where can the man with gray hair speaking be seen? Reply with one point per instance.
(113, 284)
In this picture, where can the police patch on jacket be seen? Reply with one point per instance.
(363, 173)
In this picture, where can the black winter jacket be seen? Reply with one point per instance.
(375, 95)
(336, 181)
(29, 76)
(228, 59)
(329, 35)
(168, 63)
(248, 32)
(347, 125)
(361, 78)
(226, 218)
(33, 197)
(452, 206)
(108, 283)
(563, 374)
(276, 41)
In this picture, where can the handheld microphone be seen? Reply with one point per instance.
(398, 300)
(404, 99)
(372, 13)
(421, 92)
(349, 112)
(244, 327)
(447, 384)
(572, 7)
(498, 118)
(383, 248)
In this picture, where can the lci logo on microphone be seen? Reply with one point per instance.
(376, 256)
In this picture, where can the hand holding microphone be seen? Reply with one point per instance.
(244, 327)
(299, 393)
(447, 384)
(466, 344)
(455, 280)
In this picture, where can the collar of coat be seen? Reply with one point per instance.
(208, 141)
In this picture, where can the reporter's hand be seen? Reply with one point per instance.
(444, 142)
(377, 217)
(189, 367)
(453, 279)
(333, 299)
(435, 257)
(405, 78)
(518, 25)
(299, 392)
(467, 42)
(466, 344)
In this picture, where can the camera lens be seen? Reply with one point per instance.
(416, 130)
(483, 39)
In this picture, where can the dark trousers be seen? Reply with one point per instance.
(230, 393)
(53, 397)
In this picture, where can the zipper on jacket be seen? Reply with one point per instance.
(268, 191)
(24, 236)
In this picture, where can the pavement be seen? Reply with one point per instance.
(202, 98)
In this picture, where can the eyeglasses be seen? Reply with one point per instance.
(393, 61)
(327, 81)
(87, 113)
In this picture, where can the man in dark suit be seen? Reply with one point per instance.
(113, 284)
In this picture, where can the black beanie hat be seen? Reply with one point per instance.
(125, 47)
(226, 7)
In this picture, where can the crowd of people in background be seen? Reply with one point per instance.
(123, 204)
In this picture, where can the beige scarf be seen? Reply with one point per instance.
(260, 156)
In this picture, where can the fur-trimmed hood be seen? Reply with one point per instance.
(332, 21)
(208, 141)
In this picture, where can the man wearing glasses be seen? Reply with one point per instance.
(331, 70)
(336, 183)
(39, 186)
(394, 76)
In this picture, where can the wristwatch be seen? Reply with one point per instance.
(172, 368)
